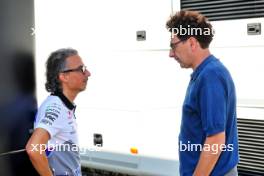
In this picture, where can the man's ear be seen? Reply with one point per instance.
(194, 43)
(63, 77)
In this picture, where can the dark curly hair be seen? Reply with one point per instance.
(55, 64)
(192, 20)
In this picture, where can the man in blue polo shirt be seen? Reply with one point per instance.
(208, 142)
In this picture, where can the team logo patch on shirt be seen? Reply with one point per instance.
(51, 114)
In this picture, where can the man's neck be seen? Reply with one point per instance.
(70, 95)
(200, 57)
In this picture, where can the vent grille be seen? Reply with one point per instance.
(251, 147)
(226, 9)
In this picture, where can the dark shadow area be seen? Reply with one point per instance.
(17, 85)
(17, 115)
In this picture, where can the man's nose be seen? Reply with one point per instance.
(87, 73)
(172, 54)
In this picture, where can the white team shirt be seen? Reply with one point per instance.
(56, 115)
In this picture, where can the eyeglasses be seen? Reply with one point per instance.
(174, 45)
(81, 69)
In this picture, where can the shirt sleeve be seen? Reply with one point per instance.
(213, 103)
(50, 118)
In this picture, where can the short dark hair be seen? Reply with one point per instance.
(191, 20)
(55, 64)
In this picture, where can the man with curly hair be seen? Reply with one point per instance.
(53, 146)
(208, 139)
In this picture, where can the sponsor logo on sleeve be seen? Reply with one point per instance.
(51, 114)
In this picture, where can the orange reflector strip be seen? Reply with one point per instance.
(134, 150)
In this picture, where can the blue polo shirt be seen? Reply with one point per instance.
(209, 108)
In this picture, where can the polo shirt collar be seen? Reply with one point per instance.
(65, 100)
(197, 71)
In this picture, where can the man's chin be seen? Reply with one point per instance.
(83, 88)
(183, 65)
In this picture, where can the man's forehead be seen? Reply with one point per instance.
(174, 39)
(74, 60)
